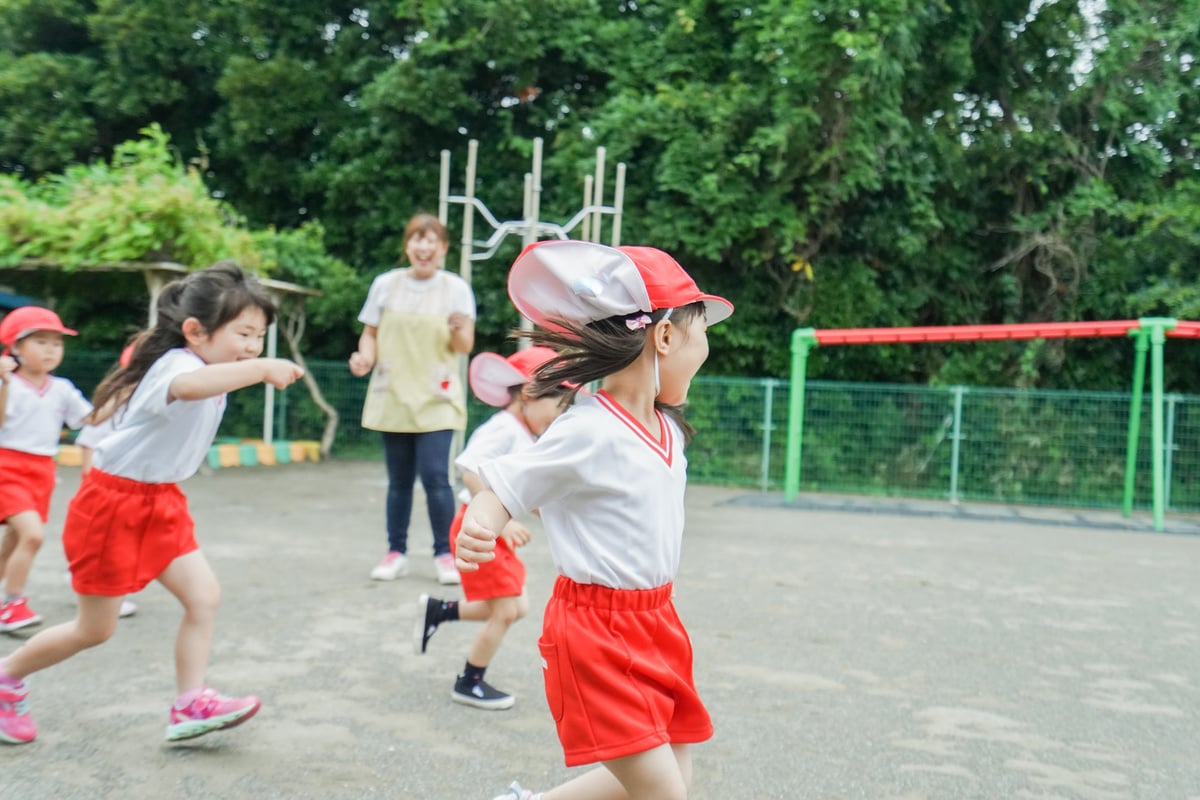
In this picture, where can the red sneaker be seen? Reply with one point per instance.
(17, 614)
(16, 726)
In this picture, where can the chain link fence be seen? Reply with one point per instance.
(952, 443)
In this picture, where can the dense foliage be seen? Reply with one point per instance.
(830, 164)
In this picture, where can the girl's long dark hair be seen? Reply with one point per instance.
(215, 296)
(593, 351)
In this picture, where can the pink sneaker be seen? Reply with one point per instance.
(209, 712)
(447, 573)
(16, 725)
(17, 614)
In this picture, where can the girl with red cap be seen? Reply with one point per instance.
(495, 593)
(609, 479)
(34, 407)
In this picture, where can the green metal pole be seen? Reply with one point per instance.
(1141, 344)
(1158, 337)
(1157, 327)
(803, 340)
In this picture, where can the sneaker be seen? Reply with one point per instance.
(481, 695)
(515, 792)
(16, 725)
(393, 566)
(209, 712)
(446, 571)
(128, 608)
(16, 614)
(427, 622)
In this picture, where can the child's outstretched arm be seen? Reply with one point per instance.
(7, 365)
(215, 379)
(485, 517)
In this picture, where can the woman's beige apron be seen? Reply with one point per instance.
(415, 386)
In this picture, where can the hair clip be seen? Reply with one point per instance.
(638, 323)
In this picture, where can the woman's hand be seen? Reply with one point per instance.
(360, 365)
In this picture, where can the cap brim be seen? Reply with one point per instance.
(60, 329)
(716, 309)
(490, 376)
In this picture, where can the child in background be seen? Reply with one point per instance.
(90, 436)
(495, 593)
(129, 524)
(34, 407)
(609, 478)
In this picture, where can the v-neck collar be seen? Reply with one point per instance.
(663, 445)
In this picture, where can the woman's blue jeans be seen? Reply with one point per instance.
(424, 455)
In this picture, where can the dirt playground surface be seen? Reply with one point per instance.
(841, 655)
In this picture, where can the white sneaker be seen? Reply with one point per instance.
(447, 573)
(516, 792)
(393, 566)
(128, 608)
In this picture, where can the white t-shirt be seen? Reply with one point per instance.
(502, 433)
(34, 416)
(92, 435)
(457, 292)
(159, 440)
(610, 494)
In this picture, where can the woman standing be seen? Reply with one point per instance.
(416, 322)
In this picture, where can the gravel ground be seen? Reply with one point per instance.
(842, 655)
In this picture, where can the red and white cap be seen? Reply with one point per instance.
(585, 281)
(21, 322)
(491, 375)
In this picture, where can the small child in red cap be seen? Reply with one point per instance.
(34, 406)
(495, 593)
(609, 479)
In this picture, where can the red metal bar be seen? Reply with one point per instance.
(1185, 330)
(964, 333)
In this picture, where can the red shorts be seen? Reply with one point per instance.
(618, 671)
(503, 576)
(26, 482)
(121, 534)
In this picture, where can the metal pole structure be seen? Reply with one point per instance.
(468, 231)
(444, 189)
(768, 413)
(803, 340)
(585, 229)
(1141, 345)
(532, 207)
(1158, 335)
(618, 204)
(599, 189)
(1171, 447)
(269, 402)
(955, 440)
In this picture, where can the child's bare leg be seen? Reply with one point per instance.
(191, 580)
(26, 530)
(7, 545)
(502, 613)
(94, 623)
(663, 772)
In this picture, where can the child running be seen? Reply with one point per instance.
(129, 523)
(609, 478)
(34, 406)
(495, 593)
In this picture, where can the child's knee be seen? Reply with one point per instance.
(31, 538)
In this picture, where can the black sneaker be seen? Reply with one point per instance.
(427, 622)
(481, 695)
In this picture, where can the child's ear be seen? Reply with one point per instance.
(193, 331)
(664, 331)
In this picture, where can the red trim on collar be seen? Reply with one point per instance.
(663, 445)
(42, 390)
